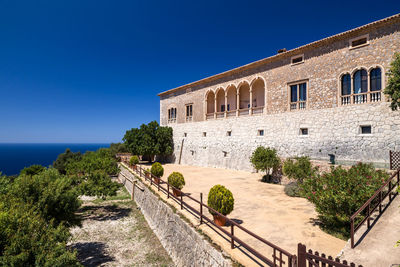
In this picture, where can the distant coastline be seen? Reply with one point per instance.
(16, 156)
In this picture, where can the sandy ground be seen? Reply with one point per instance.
(115, 233)
(262, 208)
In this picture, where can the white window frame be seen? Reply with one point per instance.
(188, 118)
(297, 63)
(356, 39)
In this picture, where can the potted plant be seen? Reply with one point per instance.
(177, 181)
(133, 161)
(221, 200)
(157, 171)
(146, 173)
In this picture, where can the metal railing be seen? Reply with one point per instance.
(376, 202)
(280, 257)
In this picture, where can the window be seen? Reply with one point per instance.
(359, 41)
(222, 108)
(298, 96)
(358, 92)
(229, 133)
(297, 59)
(365, 129)
(189, 112)
(184, 134)
(204, 134)
(303, 131)
(228, 107)
(260, 132)
(171, 115)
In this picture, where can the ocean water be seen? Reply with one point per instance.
(15, 157)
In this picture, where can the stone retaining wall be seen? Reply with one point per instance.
(185, 246)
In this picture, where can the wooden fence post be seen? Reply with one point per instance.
(301, 255)
(232, 240)
(201, 208)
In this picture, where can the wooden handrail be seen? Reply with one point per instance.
(367, 204)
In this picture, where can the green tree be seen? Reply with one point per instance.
(393, 87)
(118, 148)
(63, 159)
(299, 168)
(265, 159)
(32, 170)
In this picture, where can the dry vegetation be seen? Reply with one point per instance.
(115, 233)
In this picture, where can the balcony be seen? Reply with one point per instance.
(375, 96)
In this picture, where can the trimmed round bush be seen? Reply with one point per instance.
(157, 169)
(220, 199)
(134, 160)
(176, 180)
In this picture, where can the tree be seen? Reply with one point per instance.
(393, 87)
(32, 170)
(63, 159)
(265, 159)
(118, 148)
(299, 168)
(149, 140)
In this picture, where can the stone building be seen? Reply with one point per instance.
(322, 98)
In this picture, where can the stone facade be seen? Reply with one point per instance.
(185, 246)
(333, 128)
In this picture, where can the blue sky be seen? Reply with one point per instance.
(86, 71)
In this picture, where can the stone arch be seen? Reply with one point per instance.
(258, 92)
(220, 99)
(244, 95)
(210, 102)
(231, 96)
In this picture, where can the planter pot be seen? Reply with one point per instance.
(157, 180)
(134, 167)
(219, 220)
(176, 192)
(147, 175)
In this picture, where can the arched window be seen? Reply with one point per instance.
(346, 84)
(360, 83)
(375, 79)
(210, 102)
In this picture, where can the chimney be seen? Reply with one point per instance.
(283, 50)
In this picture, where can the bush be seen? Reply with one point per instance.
(392, 89)
(134, 160)
(99, 184)
(64, 158)
(340, 193)
(292, 189)
(176, 180)
(299, 169)
(157, 169)
(265, 159)
(220, 199)
(32, 170)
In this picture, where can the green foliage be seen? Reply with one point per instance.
(265, 159)
(50, 194)
(63, 159)
(27, 239)
(157, 169)
(151, 139)
(91, 162)
(99, 184)
(340, 193)
(5, 183)
(32, 170)
(393, 86)
(220, 199)
(134, 160)
(176, 180)
(118, 148)
(299, 168)
(292, 189)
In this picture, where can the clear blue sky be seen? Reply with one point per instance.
(86, 71)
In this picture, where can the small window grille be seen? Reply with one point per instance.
(229, 133)
(204, 134)
(366, 129)
(185, 135)
(303, 131)
(297, 59)
(261, 132)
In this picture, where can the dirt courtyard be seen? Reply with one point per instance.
(263, 208)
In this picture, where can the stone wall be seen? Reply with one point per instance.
(330, 131)
(185, 246)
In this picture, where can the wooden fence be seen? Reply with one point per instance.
(279, 257)
(309, 259)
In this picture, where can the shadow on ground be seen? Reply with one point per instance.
(92, 253)
(104, 213)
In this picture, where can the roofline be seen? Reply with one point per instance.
(284, 54)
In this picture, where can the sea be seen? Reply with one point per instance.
(15, 157)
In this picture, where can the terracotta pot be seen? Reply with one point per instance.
(157, 180)
(219, 220)
(176, 192)
(147, 175)
(134, 167)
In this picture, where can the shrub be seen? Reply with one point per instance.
(220, 199)
(176, 180)
(32, 170)
(157, 169)
(299, 169)
(340, 193)
(265, 159)
(99, 184)
(393, 86)
(134, 160)
(292, 189)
